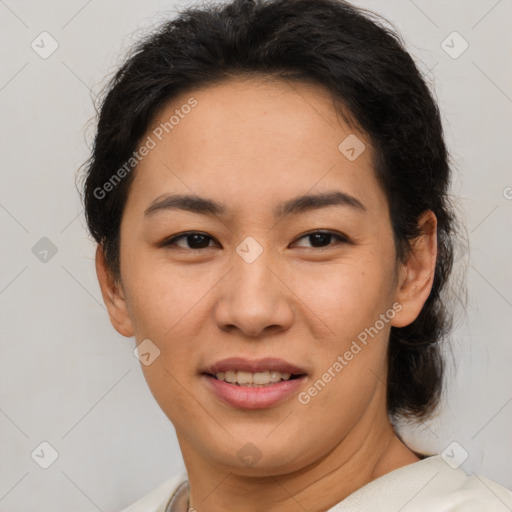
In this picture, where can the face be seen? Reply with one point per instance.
(245, 280)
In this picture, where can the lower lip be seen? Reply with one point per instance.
(247, 397)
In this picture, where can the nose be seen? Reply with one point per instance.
(254, 298)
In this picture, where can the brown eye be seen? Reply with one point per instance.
(321, 239)
(193, 241)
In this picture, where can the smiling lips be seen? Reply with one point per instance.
(255, 384)
(238, 370)
(242, 378)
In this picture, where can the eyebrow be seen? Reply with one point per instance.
(295, 206)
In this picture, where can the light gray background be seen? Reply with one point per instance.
(69, 379)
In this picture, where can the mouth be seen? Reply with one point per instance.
(256, 372)
(254, 384)
(256, 379)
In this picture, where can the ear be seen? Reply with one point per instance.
(113, 296)
(416, 275)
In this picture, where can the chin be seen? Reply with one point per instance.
(259, 457)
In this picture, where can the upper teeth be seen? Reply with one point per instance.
(249, 379)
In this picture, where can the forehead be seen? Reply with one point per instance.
(260, 140)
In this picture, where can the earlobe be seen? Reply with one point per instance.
(416, 275)
(113, 296)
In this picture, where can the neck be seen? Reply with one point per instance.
(369, 451)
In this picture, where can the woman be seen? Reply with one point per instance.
(268, 191)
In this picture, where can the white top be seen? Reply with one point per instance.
(429, 485)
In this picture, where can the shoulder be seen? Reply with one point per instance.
(429, 485)
(157, 499)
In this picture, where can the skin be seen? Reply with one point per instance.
(252, 144)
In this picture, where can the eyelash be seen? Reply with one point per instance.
(338, 236)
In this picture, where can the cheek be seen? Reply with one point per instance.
(348, 296)
(350, 354)
(161, 297)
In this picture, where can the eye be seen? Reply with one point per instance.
(321, 239)
(194, 239)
